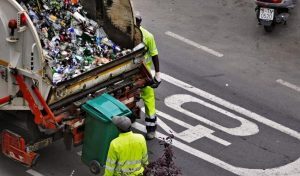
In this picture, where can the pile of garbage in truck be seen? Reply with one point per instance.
(72, 43)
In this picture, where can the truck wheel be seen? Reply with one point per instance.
(95, 167)
(68, 140)
(34, 161)
(20, 122)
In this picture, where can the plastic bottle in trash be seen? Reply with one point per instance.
(33, 16)
(116, 48)
(109, 43)
(72, 35)
(98, 37)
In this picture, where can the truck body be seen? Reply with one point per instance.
(35, 112)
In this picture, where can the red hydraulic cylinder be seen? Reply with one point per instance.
(5, 100)
(43, 102)
(55, 119)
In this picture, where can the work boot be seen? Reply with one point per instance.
(150, 135)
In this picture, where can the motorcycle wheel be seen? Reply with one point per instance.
(269, 28)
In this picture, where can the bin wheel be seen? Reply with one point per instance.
(133, 119)
(95, 167)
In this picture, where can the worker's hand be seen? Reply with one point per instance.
(157, 76)
(156, 80)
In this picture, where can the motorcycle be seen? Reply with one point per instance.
(272, 12)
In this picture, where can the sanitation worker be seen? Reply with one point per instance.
(127, 153)
(148, 94)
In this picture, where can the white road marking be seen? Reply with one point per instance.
(198, 132)
(192, 43)
(33, 172)
(289, 85)
(291, 169)
(217, 139)
(72, 173)
(173, 119)
(231, 106)
(246, 128)
(192, 133)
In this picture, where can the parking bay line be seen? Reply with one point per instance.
(34, 173)
(289, 85)
(192, 43)
(291, 169)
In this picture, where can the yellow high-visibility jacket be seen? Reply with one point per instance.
(127, 155)
(148, 94)
(150, 44)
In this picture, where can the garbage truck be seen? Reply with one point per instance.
(35, 111)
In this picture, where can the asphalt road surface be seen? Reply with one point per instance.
(230, 93)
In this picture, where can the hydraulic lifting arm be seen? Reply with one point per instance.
(48, 121)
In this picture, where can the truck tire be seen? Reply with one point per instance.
(35, 160)
(21, 123)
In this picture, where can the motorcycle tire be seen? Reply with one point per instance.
(269, 28)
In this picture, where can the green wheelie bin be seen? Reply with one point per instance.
(99, 130)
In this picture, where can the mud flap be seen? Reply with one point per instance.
(13, 146)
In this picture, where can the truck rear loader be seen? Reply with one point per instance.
(34, 111)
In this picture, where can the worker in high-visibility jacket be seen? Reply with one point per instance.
(127, 153)
(148, 94)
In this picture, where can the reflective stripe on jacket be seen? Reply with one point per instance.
(127, 155)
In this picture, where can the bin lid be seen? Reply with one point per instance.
(105, 107)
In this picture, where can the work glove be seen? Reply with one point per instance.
(156, 80)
